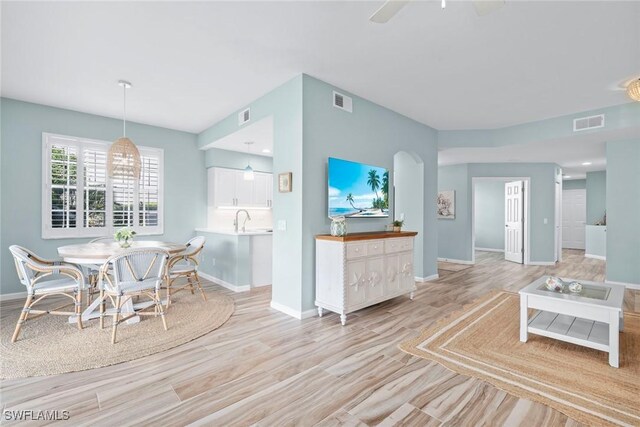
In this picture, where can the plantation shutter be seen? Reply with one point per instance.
(80, 200)
(63, 184)
(149, 192)
(95, 187)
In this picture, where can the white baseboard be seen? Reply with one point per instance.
(604, 258)
(489, 250)
(426, 279)
(232, 287)
(543, 263)
(293, 313)
(16, 295)
(456, 261)
(627, 285)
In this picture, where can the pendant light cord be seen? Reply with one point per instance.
(124, 111)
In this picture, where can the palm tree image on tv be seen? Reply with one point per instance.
(357, 190)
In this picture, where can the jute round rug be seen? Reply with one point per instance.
(50, 345)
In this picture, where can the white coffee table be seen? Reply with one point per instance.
(592, 318)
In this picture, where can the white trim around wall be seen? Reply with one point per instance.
(232, 287)
(544, 263)
(489, 250)
(627, 285)
(426, 279)
(457, 261)
(604, 258)
(300, 315)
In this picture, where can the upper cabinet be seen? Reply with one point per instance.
(231, 189)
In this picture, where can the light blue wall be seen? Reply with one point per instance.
(215, 157)
(373, 135)
(232, 255)
(617, 117)
(623, 211)
(595, 240)
(489, 214)
(22, 127)
(455, 237)
(596, 196)
(284, 103)
(574, 184)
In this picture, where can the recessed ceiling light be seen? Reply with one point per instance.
(266, 150)
(586, 163)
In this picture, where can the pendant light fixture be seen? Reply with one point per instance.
(123, 159)
(633, 90)
(248, 171)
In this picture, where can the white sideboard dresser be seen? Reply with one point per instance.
(362, 269)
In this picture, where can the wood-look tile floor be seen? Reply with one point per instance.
(265, 368)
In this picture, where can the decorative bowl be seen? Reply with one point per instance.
(575, 287)
(554, 284)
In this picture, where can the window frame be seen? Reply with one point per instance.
(80, 231)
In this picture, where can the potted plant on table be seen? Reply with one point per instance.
(124, 237)
(397, 225)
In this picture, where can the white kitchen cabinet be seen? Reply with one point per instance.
(224, 185)
(231, 189)
(362, 269)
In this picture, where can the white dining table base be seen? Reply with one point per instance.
(93, 311)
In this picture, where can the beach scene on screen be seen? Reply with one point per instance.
(357, 190)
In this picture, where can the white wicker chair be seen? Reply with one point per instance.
(32, 269)
(185, 265)
(135, 273)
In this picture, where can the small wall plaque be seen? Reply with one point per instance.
(284, 182)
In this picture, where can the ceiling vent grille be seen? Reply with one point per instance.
(586, 123)
(244, 117)
(342, 102)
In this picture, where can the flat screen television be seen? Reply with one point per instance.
(357, 190)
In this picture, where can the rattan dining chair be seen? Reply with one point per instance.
(32, 270)
(185, 265)
(135, 273)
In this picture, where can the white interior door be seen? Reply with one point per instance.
(514, 222)
(574, 216)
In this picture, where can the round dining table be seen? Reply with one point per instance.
(97, 253)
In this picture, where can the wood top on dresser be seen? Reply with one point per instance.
(370, 235)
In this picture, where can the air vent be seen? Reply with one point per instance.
(342, 102)
(586, 123)
(244, 117)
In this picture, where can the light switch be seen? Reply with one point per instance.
(282, 225)
(546, 221)
(402, 216)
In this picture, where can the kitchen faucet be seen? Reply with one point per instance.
(235, 223)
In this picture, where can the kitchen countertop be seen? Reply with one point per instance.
(231, 232)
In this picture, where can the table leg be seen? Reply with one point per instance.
(93, 312)
(614, 338)
(524, 318)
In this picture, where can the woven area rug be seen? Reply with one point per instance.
(482, 341)
(50, 345)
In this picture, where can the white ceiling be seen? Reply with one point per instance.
(569, 153)
(194, 63)
(260, 133)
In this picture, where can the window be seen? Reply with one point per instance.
(78, 200)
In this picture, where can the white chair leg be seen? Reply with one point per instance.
(22, 318)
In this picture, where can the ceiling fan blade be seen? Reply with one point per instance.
(484, 7)
(387, 11)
